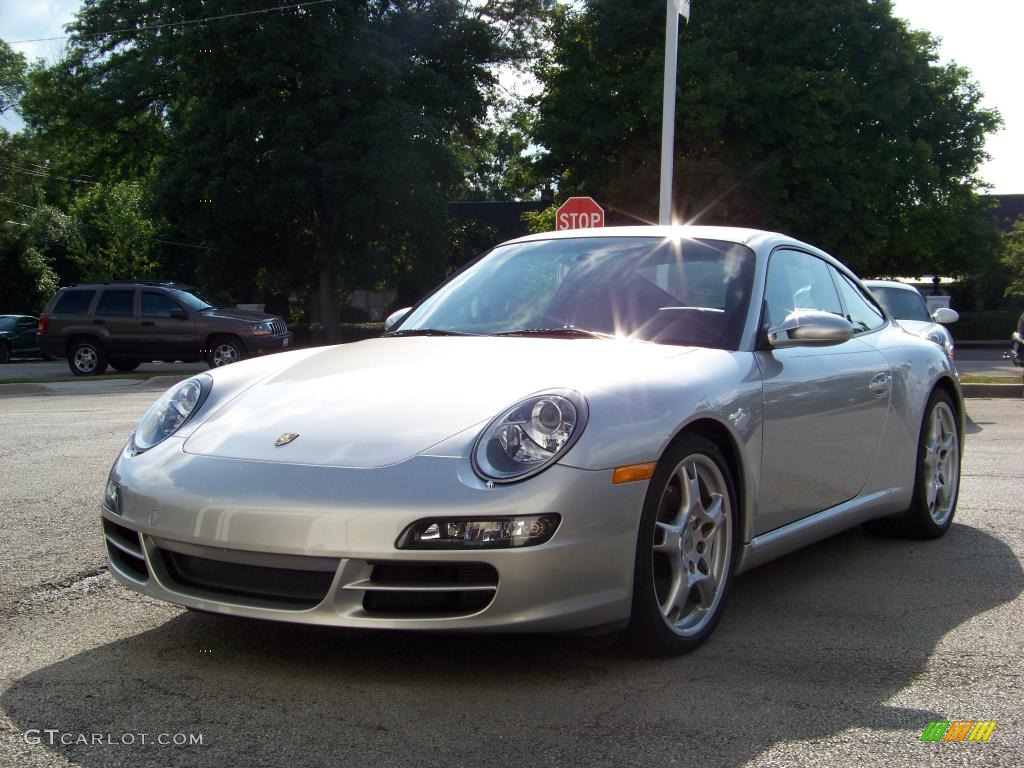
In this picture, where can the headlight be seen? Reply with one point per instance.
(173, 409)
(264, 328)
(527, 437)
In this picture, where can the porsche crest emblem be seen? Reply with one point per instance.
(286, 438)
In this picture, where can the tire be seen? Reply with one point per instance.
(692, 486)
(224, 350)
(5, 354)
(125, 365)
(86, 357)
(937, 482)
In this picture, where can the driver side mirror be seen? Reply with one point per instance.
(810, 328)
(179, 313)
(396, 317)
(945, 315)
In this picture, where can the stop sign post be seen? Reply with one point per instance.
(579, 213)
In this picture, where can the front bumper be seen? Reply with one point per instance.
(316, 545)
(263, 345)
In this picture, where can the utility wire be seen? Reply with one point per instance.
(45, 174)
(175, 23)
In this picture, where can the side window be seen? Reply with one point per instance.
(74, 303)
(798, 281)
(156, 305)
(860, 311)
(116, 304)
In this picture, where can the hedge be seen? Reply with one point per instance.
(992, 325)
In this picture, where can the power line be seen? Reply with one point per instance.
(46, 174)
(174, 23)
(107, 229)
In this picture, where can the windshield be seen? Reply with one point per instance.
(902, 304)
(193, 299)
(7, 323)
(692, 292)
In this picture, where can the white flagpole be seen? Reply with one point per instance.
(668, 111)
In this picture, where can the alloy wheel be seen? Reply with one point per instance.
(225, 354)
(941, 463)
(86, 359)
(692, 545)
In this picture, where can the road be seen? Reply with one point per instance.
(837, 655)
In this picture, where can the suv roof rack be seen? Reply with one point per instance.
(158, 283)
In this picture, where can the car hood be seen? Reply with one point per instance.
(922, 327)
(229, 313)
(381, 401)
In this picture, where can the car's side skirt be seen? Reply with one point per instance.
(821, 525)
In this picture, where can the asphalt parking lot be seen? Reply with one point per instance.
(840, 654)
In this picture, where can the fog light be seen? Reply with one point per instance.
(112, 497)
(494, 533)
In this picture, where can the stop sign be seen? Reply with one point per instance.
(579, 213)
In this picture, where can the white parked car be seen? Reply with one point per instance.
(908, 307)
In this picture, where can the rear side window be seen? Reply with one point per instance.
(116, 304)
(156, 305)
(74, 303)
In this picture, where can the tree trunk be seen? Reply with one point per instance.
(327, 298)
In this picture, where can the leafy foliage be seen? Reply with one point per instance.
(312, 146)
(829, 120)
(1013, 258)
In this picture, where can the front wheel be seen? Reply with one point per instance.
(224, 350)
(686, 550)
(5, 353)
(87, 358)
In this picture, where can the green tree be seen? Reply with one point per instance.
(1013, 258)
(312, 146)
(12, 76)
(829, 120)
(118, 238)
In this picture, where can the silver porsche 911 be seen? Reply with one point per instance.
(593, 430)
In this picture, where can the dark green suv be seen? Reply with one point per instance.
(18, 337)
(127, 323)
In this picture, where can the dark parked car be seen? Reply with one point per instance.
(127, 323)
(18, 337)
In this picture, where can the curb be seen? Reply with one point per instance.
(992, 390)
(91, 386)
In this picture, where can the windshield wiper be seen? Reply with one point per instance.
(555, 332)
(428, 332)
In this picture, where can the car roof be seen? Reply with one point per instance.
(130, 283)
(890, 284)
(756, 239)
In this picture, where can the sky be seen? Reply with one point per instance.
(982, 35)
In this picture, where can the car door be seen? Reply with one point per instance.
(115, 315)
(26, 342)
(824, 407)
(167, 328)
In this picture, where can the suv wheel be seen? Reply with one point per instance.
(5, 353)
(86, 358)
(224, 350)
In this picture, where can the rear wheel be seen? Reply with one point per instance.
(125, 365)
(937, 485)
(86, 357)
(5, 353)
(224, 350)
(685, 550)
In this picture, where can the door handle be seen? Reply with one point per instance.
(879, 385)
(148, 322)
